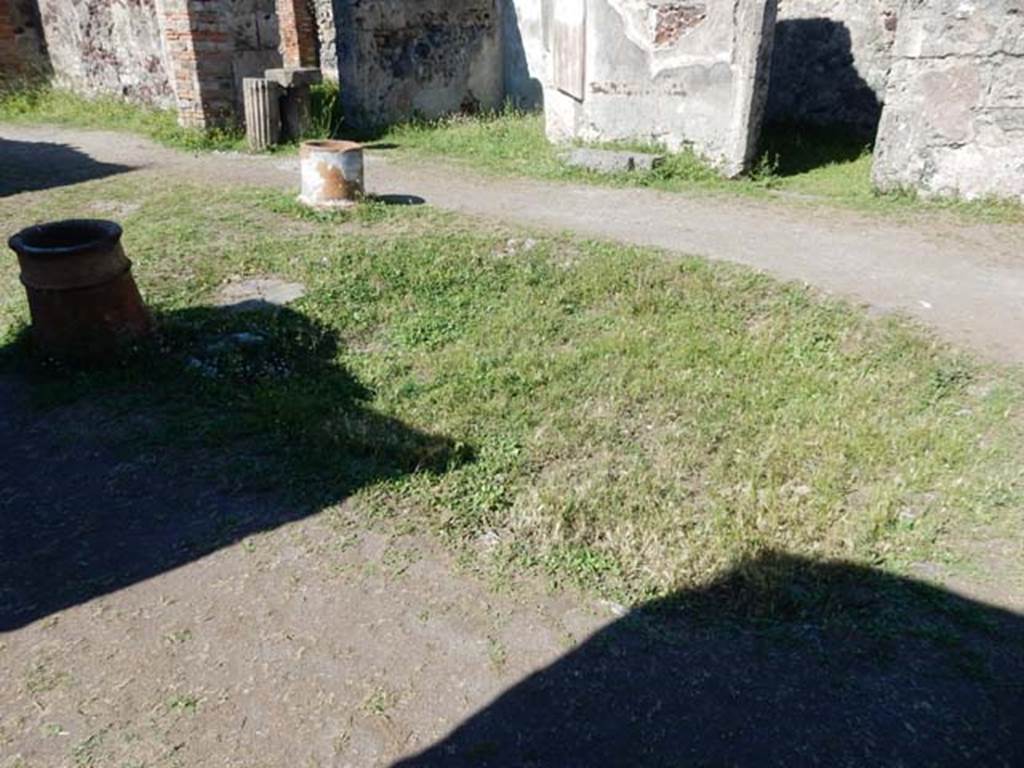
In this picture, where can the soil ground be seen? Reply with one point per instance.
(322, 640)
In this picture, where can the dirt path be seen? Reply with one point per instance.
(965, 281)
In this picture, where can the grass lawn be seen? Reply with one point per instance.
(619, 418)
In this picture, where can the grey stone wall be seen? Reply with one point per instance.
(678, 74)
(954, 117)
(110, 47)
(323, 13)
(116, 47)
(831, 62)
(398, 59)
(255, 38)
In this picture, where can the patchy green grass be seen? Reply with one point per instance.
(797, 163)
(629, 421)
(43, 104)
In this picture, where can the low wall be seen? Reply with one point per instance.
(831, 62)
(954, 116)
(398, 59)
(678, 74)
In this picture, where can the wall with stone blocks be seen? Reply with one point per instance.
(678, 74)
(327, 34)
(954, 116)
(831, 62)
(398, 59)
(108, 47)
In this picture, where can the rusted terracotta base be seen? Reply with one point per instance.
(332, 174)
(93, 323)
(85, 305)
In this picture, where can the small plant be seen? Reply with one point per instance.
(380, 701)
(186, 703)
(327, 117)
(766, 171)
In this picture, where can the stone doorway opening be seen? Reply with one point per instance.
(830, 68)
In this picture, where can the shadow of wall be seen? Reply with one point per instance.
(815, 79)
(783, 662)
(31, 165)
(225, 424)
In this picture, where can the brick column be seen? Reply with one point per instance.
(200, 51)
(298, 33)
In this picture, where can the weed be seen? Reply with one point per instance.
(46, 104)
(184, 703)
(380, 701)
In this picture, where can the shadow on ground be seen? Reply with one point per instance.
(783, 662)
(30, 166)
(224, 425)
(793, 149)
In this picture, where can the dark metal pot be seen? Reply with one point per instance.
(84, 303)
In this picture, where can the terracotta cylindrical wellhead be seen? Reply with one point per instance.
(332, 173)
(81, 295)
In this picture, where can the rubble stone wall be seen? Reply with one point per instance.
(427, 58)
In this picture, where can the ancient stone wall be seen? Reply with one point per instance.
(255, 39)
(831, 62)
(110, 47)
(323, 14)
(953, 122)
(675, 73)
(398, 59)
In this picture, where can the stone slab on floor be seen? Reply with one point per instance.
(256, 293)
(612, 161)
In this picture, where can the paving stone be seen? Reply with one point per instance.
(259, 293)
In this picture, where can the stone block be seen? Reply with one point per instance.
(292, 77)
